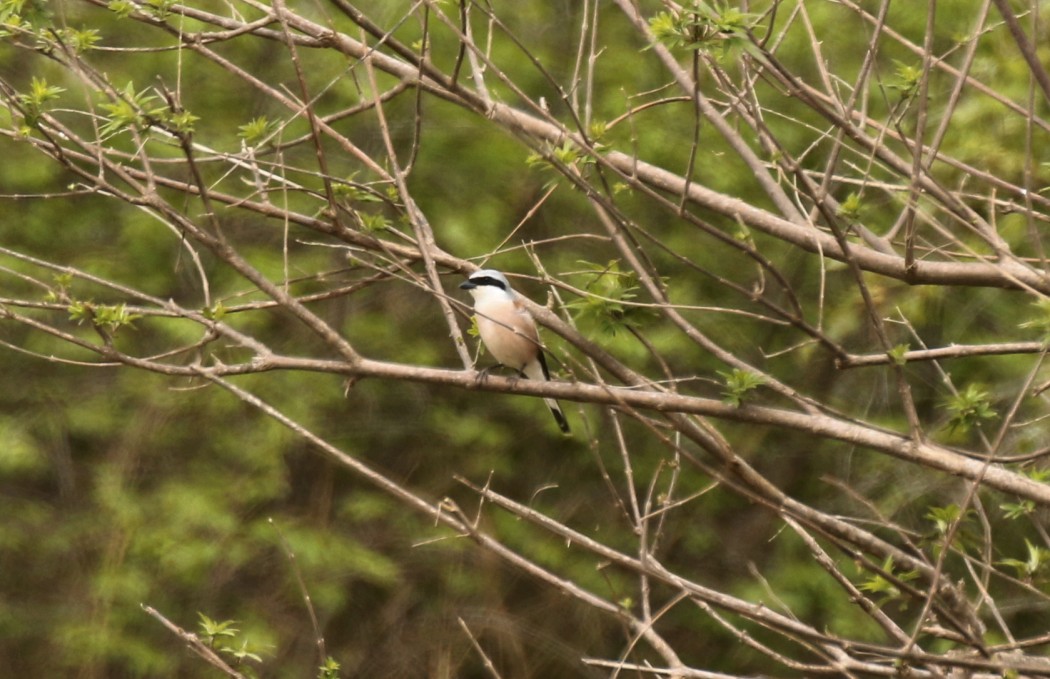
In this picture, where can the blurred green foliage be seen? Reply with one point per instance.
(123, 488)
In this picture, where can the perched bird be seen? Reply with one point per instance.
(509, 331)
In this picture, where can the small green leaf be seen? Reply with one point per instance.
(700, 27)
(666, 29)
(535, 160)
(256, 130)
(945, 517)
(969, 408)
(212, 630)
(882, 585)
(897, 353)
(110, 317)
(243, 652)
(608, 305)
(373, 223)
(877, 584)
(34, 103)
(557, 157)
(738, 383)
(60, 290)
(1032, 565)
(354, 193)
(1041, 321)
(27, 15)
(1040, 475)
(122, 8)
(905, 79)
(160, 9)
(41, 92)
(114, 317)
(850, 208)
(597, 129)
(129, 109)
(182, 121)
(216, 312)
(329, 670)
(224, 637)
(1014, 510)
(79, 311)
(80, 40)
(566, 154)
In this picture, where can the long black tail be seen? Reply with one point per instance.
(559, 416)
(556, 410)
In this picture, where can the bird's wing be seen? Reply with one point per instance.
(524, 323)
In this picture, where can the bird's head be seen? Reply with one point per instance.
(487, 282)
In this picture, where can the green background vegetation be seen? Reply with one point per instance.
(120, 488)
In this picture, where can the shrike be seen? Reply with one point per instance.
(509, 331)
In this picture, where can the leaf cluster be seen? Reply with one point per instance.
(608, 304)
(700, 26)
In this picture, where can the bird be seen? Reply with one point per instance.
(509, 332)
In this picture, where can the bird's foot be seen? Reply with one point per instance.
(484, 372)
